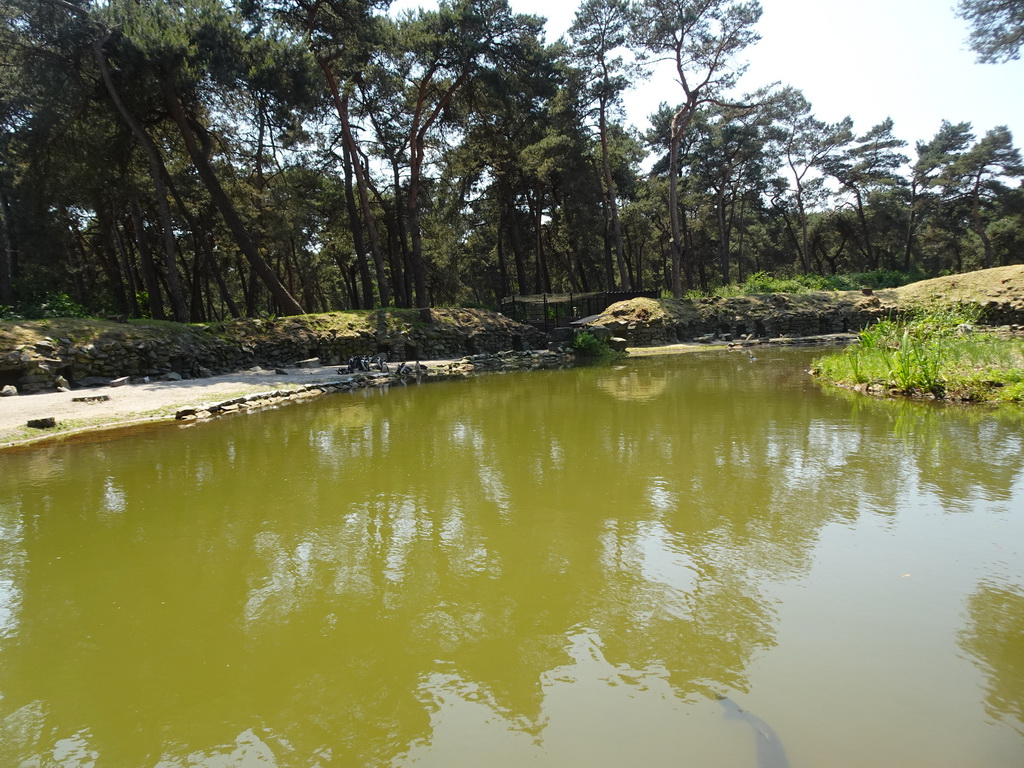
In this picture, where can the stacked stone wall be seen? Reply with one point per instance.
(776, 317)
(197, 351)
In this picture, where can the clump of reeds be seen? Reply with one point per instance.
(936, 351)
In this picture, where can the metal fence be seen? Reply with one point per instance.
(547, 311)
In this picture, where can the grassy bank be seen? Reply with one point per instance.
(934, 352)
(764, 282)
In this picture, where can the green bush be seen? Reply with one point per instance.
(765, 282)
(586, 344)
(45, 307)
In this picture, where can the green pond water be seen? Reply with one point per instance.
(563, 568)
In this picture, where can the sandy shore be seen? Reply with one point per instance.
(159, 401)
(135, 403)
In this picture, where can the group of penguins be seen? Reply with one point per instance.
(367, 363)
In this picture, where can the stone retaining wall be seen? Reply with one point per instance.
(732, 319)
(773, 317)
(196, 351)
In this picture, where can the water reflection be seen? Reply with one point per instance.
(994, 639)
(627, 383)
(373, 580)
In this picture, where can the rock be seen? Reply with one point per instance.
(48, 423)
(618, 343)
(204, 373)
(280, 371)
(172, 376)
(91, 399)
(9, 391)
(36, 377)
(313, 362)
(124, 380)
(61, 383)
(95, 381)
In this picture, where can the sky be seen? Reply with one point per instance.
(869, 59)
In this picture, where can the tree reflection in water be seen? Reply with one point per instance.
(332, 582)
(994, 638)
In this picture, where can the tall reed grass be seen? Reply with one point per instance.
(934, 351)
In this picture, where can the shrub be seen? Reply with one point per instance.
(586, 344)
(765, 282)
(45, 307)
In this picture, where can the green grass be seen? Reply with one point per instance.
(936, 352)
(764, 282)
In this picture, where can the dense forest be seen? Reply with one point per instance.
(201, 159)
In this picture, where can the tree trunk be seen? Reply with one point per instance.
(222, 286)
(76, 262)
(202, 244)
(364, 203)
(419, 272)
(149, 276)
(862, 220)
(365, 281)
(197, 301)
(6, 250)
(686, 244)
(636, 251)
(286, 303)
(805, 235)
(128, 266)
(392, 218)
(109, 261)
(156, 173)
(680, 121)
(514, 237)
(422, 122)
(723, 238)
(978, 225)
(611, 203)
(908, 251)
(543, 275)
(401, 277)
(503, 286)
(739, 250)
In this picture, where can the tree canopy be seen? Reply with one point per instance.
(200, 159)
(997, 28)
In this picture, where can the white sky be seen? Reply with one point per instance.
(869, 59)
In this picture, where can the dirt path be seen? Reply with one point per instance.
(136, 403)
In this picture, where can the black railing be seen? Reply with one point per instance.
(547, 311)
